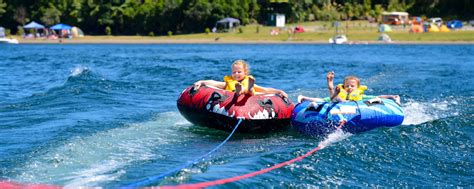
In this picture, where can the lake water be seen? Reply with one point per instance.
(106, 115)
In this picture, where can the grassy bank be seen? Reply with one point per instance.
(315, 32)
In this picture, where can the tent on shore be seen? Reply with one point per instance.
(415, 28)
(33, 25)
(444, 28)
(433, 28)
(227, 24)
(385, 28)
(77, 32)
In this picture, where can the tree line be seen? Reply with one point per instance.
(158, 17)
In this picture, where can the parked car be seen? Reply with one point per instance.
(454, 24)
(472, 23)
(438, 21)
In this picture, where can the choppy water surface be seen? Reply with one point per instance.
(105, 115)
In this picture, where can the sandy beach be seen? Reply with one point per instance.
(253, 34)
(207, 40)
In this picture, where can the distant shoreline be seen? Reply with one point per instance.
(208, 40)
(357, 32)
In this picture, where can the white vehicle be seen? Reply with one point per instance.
(438, 21)
(338, 39)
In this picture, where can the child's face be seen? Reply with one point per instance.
(238, 72)
(350, 85)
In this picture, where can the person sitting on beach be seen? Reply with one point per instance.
(240, 82)
(351, 89)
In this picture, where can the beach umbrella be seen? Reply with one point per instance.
(61, 27)
(33, 25)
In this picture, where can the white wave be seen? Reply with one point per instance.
(102, 157)
(78, 70)
(421, 112)
(334, 137)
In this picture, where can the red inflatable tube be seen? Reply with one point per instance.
(221, 109)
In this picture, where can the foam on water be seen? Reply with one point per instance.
(102, 157)
(78, 70)
(421, 112)
(334, 137)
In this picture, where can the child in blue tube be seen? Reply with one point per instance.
(350, 90)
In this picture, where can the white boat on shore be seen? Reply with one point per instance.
(338, 39)
(8, 41)
(4, 39)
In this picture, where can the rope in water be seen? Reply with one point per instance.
(248, 175)
(153, 179)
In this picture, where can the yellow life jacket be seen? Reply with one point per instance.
(230, 83)
(354, 95)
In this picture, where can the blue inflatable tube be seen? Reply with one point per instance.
(320, 119)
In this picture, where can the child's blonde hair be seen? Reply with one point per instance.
(353, 78)
(244, 64)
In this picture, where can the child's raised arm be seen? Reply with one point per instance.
(330, 82)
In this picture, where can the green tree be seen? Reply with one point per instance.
(197, 15)
(366, 9)
(395, 5)
(20, 15)
(130, 17)
(20, 30)
(328, 12)
(348, 11)
(358, 11)
(254, 9)
(377, 12)
(51, 15)
(170, 17)
(108, 30)
(76, 11)
(3, 6)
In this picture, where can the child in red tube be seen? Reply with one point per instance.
(240, 82)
